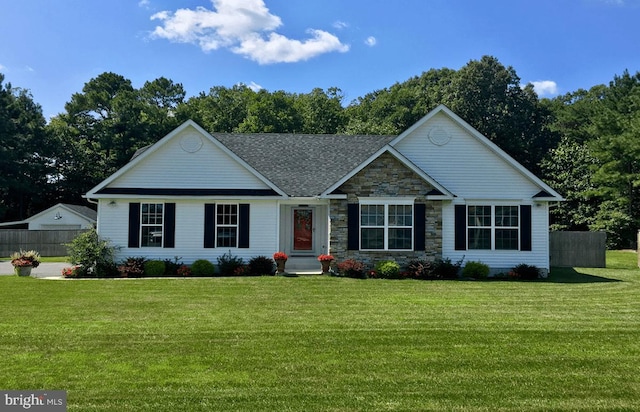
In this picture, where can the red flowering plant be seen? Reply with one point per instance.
(71, 272)
(25, 258)
(280, 256)
(325, 258)
(184, 270)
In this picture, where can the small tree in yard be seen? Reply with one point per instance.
(93, 254)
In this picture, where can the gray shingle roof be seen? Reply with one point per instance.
(303, 164)
(83, 210)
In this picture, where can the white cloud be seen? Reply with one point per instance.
(371, 41)
(340, 25)
(144, 3)
(255, 86)
(545, 87)
(246, 27)
(3, 67)
(29, 69)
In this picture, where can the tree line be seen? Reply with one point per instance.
(585, 144)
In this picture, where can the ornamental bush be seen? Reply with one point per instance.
(445, 269)
(92, 253)
(525, 272)
(202, 267)
(388, 269)
(261, 265)
(229, 264)
(352, 268)
(476, 270)
(154, 268)
(132, 267)
(171, 266)
(421, 269)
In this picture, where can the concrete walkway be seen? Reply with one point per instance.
(45, 270)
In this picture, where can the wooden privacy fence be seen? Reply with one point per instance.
(582, 249)
(46, 242)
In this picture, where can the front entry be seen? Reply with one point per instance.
(304, 231)
(304, 235)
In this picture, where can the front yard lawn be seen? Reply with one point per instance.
(322, 343)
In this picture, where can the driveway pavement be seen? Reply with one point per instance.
(44, 270)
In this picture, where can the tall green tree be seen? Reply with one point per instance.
(490, 97)
(569, 167)
(105, 124)
(221, 110)
(617, 148)
(320, 112)
(25, 163)
(271, 113)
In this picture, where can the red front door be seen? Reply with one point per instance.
(303, 230)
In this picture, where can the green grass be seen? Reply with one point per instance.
(328, 344)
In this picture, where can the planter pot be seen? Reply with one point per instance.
(325, 265)
(280, 264)
(23, 270)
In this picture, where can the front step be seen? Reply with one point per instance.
(303, 266)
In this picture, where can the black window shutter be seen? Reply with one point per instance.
(209, 225)
(419, 226)
(134, 224)
(461, 227)
(525, 227)
(169, 225)
(244, 226)
(353, 226)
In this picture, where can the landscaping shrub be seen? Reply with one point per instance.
(171, 266)
(352, 268)
(388, 269)
(476, 270)
(525, 272)
(72, 272)
(242, 270)
(421, 269)
(445, 269)
(202, 267)
(132, 267)
(261, 265)
(184, 270)
(229, 264)
(154, 268)
(93, 254)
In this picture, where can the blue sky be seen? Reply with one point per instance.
(53, 47)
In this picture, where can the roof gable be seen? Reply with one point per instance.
(188, 159)
(439, 191)
(82, 212)
(468, 163)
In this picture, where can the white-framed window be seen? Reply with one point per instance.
(494, 227)
(226, 225)
(386, 224)
(151, 224)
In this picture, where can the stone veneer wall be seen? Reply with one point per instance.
(385, 177)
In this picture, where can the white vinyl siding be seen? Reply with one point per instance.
(501, 259)
(464, 165)
(189, 234)
(171, 167)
